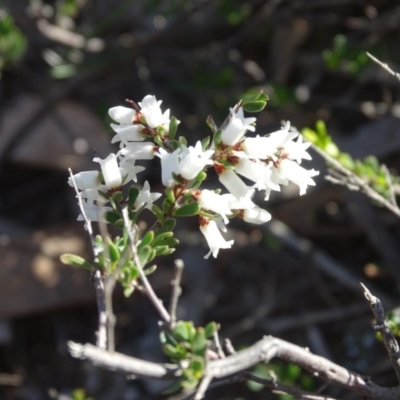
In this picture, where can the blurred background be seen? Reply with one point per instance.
(64, 63)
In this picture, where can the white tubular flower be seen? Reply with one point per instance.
(110, 169)
(129, 170)
(85, 180)
(213, 236)
(123, 115)
(211, 201)
(186, 162)
(93, 212)
(127, 133)
(192, 161)
(169, 165)
(266, 146)
(93, 194)
(234, 184)
(293, 172)
(256, 215)
(151, 111)
(297, 150)
(146, 198)
(138, 151)
(237, 127)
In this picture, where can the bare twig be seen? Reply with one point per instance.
(122, 363)
(281, 388)
(353, 181)
(262, 351)
(384, 66)
(204, 384)
(218, 346)
(176, 291)
(146, 284)
(382, 326)
(103, 321)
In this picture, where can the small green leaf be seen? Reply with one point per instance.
(150, 270)
(171, 242)
(147, 239)
(167, 226)
(172, 352)
(183, 331)
(205, 143)
(112, 217)
(197, 365)
(255, 106)
(210, 329)
(182, 140)
(190, 383)
(76, 261)
(113, 252)
(169, 192)
(128, 290)
(166, 206)
(133, 195)
(161, 250)
(117, 196)
(157, 211)
(144, 255)
(187, 210)
(199, 342)
(173, 127)
(162, 236)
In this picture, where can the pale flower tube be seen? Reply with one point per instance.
(214, 237)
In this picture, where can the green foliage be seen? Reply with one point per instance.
(342, 56)
(13, 42)
(255, 101)
(288, 374)
(80, 394)
(393, 318)
(76, 261)
(187, 343)
(368, 169)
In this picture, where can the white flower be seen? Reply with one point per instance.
(267, 146)
(211, 201)
(93, 194)
(256, 215)
(237, 127)
(151, 111)
(186, 162)
(94, 212)
(123, 115)
(127, 133)
(129, 170)
(169, 165)
(192, 161)
(85, 180)
(146, 198)
(234, 184)
(110, 169)
(138, 151)
(290, 170)
(213, 236)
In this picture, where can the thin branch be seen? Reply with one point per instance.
(384, 66)
(176, 291)
(281, 388)
(382, 326)
(204, 384)
(217, 344)
(102, 330)
(122, 363)
(353, 179)
(262, 351)
(146, 284)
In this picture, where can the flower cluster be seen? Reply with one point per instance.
(145, 132)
